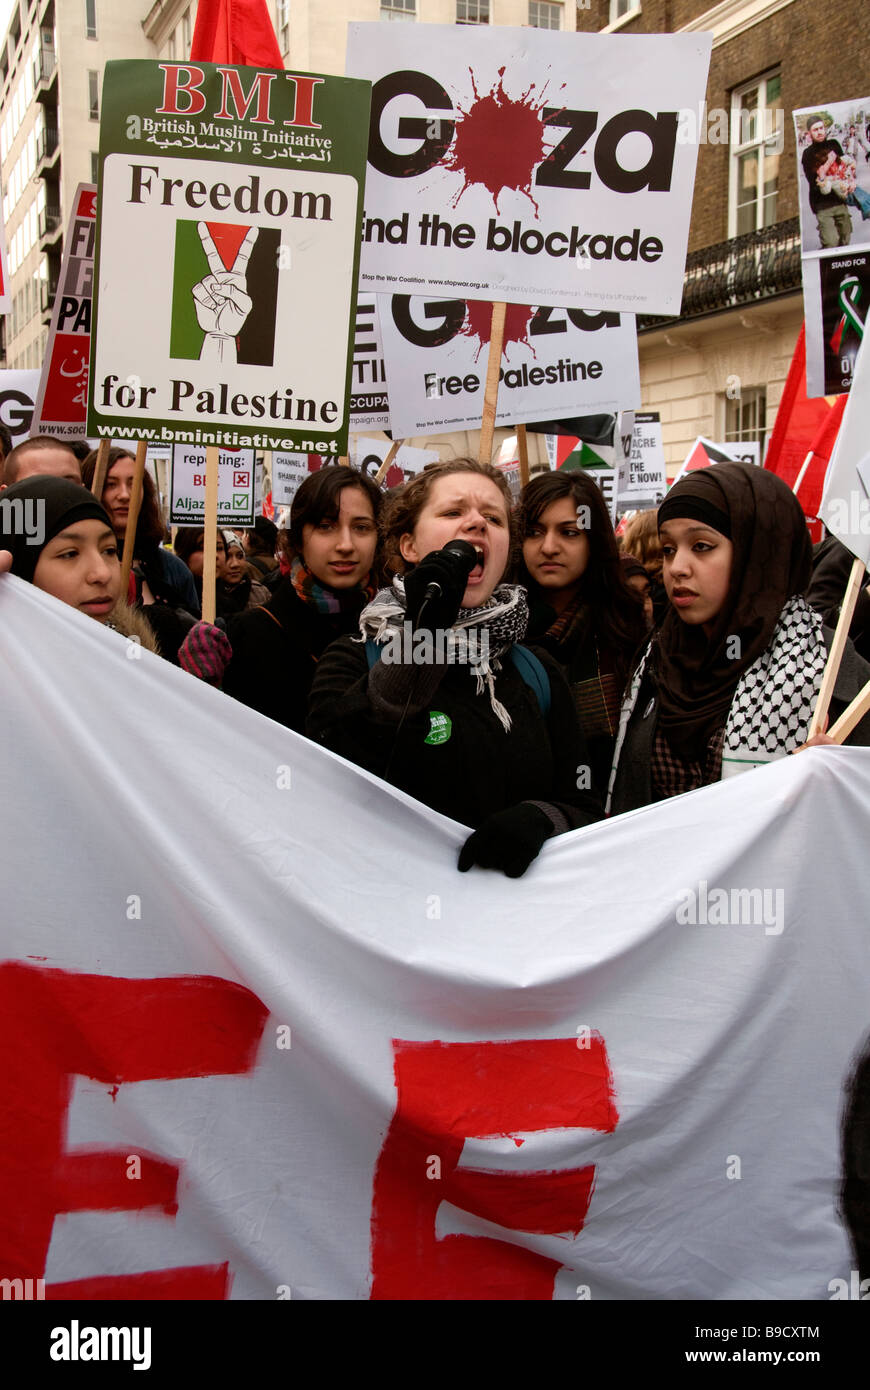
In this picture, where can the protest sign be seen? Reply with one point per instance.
(229, 211)
(526, 166)
(845, 506)
(62, 400)
(553, 361)
(17, 397)
(288, 472)
(704, 452)
(369, 454)
(833, 151)
(236, 486)
(284, 1037)
(642, 480)
(369, 403)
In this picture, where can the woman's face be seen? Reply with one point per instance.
(556, 548)
(641, 585)
(80, 566)
(467, 507)
(194, 563)
(697, 570)
(340, 553)
(235, 565)
(116, 493)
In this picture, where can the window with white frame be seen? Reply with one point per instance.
(543, 14)
(399, 9)
(756, 147)
(284, 25)
(185, 34)
(90, 19)
(472, 11)
(745, 418)
(618, 8)
(94, 95)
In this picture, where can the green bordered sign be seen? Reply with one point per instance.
(230, 202)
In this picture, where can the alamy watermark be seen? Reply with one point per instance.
(439, 647)
(735, 907)
(23, 516)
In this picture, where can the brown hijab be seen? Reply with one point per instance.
(695, 676)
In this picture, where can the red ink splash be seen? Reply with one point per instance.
(498, 142)
(478, 324)
(113, 1092)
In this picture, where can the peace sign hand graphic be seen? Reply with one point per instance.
(221, 299)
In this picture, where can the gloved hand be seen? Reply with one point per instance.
(509, 840)
(205, 653)
(440, 612)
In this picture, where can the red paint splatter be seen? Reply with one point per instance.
(498, 141)
(478, 324)
(113, 1092)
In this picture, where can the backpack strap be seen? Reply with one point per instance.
(534, 673)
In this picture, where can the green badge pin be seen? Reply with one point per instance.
(440, 727)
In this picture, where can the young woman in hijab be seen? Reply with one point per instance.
(581, 609)
(436, 696)
(730, 680)
(333, 542)
(237, 589)
(76, 557)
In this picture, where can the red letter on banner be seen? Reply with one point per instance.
(450, 1092)
(54, 1025)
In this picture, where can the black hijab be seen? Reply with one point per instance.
(48, 505)
(696, 675)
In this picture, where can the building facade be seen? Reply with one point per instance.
(51, 69)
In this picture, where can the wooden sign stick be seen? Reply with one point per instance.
(851, 716)
(101, 468)
(826, 690)
(133, 516)
(490, 394)
(209, 539)
(385, 466)
(523, 448)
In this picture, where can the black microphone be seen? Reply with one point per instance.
(467, 557)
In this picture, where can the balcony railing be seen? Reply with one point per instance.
(47, 292)
(49, 221)
(46, 144)
(758, 265)
(44, 63)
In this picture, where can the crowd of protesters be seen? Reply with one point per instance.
(526, 681)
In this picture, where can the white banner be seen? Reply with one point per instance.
(533, 167)
(555, 363)
(262, 1040)
(236, 486)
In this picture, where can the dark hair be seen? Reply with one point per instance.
(5, 441)
(263, 536)
(319, 499)
(189, 539)
(150, 530)
(407, 502)
(37, 441)
(617, 610)
(80, 447)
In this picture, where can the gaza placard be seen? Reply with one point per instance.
(527, 166)
(62, 398)
(555, 361)
(227, 248)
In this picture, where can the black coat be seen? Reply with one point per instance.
(275, 653)
(632, 786)
(479, 768)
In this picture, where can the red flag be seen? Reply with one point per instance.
(235, 31)
(804, 426)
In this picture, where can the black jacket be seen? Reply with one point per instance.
(632, 786)
(479, 768)
(275, 653)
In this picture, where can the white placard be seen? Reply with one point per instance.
(642, 480)
(236, 486)
(555, 362)
(17, 402)
(526, 166)
(369, 403)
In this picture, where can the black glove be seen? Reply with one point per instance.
(440, 612)
(509, 840)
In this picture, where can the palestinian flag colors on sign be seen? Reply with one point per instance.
(701, 455)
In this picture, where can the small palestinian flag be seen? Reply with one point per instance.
(575, 455)
(701, 455)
